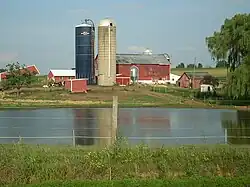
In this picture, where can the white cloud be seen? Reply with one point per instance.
(6, 57)
(137, 49)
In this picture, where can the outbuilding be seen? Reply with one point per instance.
(61, 75)
(76, 85)
(191, 79)
(122, 81)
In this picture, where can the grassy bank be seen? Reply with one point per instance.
(196, 182)
(132, 96)
(24, 164)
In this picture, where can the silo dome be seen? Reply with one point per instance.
(107, 22)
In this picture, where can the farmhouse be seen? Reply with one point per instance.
(31, 68)
(191, 79)
(61, 75)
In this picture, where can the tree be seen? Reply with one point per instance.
(17, 76)
(181, 65)
(209, 79)
(221, 64)
(231, 45)
(2, 70)
(191, 66)
(200, 65)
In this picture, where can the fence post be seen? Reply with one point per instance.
(114, 119)
(73, 138)
(225, 136)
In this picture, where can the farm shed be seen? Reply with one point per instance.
(191, 79)
(207, 88)
(61, 75)
(122, 81)
(76, 85)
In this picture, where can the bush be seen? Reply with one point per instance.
(198, 182)
(25, 164)
(205, 95)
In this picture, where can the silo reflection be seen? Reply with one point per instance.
(84, 126)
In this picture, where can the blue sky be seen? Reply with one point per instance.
(42, 32)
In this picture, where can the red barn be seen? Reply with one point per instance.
(191, 79)
(61, 75)
(76, 85)
(144, 68)
(31, 68)
(141, 68)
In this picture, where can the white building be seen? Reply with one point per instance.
(173, 78)
(207, 88)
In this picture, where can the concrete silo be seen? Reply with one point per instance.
(106, 52)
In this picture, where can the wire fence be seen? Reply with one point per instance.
(73, 136)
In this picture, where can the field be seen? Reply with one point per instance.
(27, 164)
(216, 72)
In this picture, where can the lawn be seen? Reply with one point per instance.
(132, 96)
(217, 72)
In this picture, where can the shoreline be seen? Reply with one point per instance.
(49, 104)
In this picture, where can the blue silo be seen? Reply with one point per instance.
(84, 51)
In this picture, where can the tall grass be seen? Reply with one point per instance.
(24, 164)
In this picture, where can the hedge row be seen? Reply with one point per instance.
(199, 182)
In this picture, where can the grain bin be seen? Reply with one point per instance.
(106, 52)
(84, 51)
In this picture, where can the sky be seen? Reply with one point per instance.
(42, 32)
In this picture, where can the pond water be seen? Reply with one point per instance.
(153, 126)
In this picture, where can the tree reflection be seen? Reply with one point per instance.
(238, 131)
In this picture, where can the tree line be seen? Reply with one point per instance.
(219, 64)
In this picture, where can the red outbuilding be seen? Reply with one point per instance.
(76, 85)
(191, 79)
(31, 68)
(122, 81)
(61, 75)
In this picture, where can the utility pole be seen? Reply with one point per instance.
(194, 72)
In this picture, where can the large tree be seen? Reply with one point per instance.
(17, 76)
(231, 45)
(2, 70)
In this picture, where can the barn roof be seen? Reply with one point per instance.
(63, 72)
(197, 74)
(142, 59)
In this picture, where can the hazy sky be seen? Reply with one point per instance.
(42, 32)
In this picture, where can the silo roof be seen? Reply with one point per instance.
(106, 22)
(141, 59)
(84, 25)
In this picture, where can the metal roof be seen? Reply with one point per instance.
(106, 22)
(197, 74)
(63, 72)
(141, 59)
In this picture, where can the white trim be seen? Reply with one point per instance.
(71, 87)
(79, 79)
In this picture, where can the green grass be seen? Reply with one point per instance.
(29, 164)
(217, 72)
(193, 182)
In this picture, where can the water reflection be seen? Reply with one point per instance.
(238, 127)
(84, 127)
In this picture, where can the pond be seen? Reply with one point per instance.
(152, 126)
